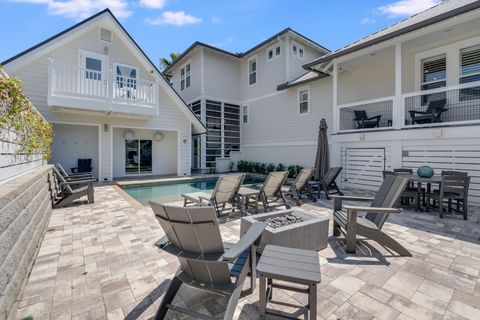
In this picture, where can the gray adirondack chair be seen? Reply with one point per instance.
(68, 191)
(225, 192)
(206, 263)
(73, 176)
(345, 219)
(301, 184)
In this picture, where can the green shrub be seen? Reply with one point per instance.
(270, 168)
(291, 171)
(280, 167)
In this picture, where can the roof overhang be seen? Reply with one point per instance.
(305, 78)
(395, 34)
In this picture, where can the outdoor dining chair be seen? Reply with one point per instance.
(207, 263)
(452, 188)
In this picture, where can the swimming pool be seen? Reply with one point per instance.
(171, 191)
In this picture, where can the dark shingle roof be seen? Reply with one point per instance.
(440, 12)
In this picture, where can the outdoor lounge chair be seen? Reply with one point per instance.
(363, 121)
(73, 176)
(328, 184)
(300, 185)
(225, 192)
(270, 193)
(431, 115)
(345, 219)
(68, 191)
(206, 263)
(453, 187)
(83, 165)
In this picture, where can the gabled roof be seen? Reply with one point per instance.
(243, 54)
(199, 127)
(445, 10)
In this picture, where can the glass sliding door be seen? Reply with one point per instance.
(145, 156)
(138, 156)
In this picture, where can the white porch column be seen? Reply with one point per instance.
(398, 113)
(335, 98)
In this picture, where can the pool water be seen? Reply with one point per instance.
(171, 192)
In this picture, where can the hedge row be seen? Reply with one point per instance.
(266, 168)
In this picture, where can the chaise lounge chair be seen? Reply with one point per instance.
(270, 194)
(328, 184)
(225, 192)
(193, 236)
(73, 176)
(68, 191)
(300, 185)
(345, 219)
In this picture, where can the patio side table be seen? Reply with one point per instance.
(245, 194)
(297, 266)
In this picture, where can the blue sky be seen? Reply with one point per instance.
(164, 26)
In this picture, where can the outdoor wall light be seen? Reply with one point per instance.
(185, 141)
(128, 135)
(158, 136)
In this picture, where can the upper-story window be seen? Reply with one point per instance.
(185, 77)
(252, 71)
(469, 72)
(303, 100)
(298, 51)
(273, 52)
(434, 72)
(244, 114)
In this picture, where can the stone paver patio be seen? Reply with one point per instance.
(99, 262)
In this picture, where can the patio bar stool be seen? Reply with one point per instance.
(288, 265)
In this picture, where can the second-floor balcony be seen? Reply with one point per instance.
(445, 106)
(84, 89)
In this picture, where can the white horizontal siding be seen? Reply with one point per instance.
(277, 119)
(295, 65)
(222, 76)
(194, 90)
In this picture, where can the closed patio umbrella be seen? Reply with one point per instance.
(322, 158)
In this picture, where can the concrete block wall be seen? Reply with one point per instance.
(25, 208)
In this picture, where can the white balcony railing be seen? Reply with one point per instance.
(69, 81)
(376, 114)
(458, 104)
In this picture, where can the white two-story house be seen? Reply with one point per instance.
(107, 102)
(237, 96)
(405, 96)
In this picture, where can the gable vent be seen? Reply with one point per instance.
(106, 35)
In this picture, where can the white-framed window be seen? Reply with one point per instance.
(274, 52)
(303, 100)
(252, 71)
(298, 51)
(185, 74)
(106, 35)
(469, 72)
(245, 114)
(434, 72)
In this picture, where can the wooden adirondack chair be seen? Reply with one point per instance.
(206, 263)
(345, 219)
(225, 192)
(301, 184)
(68, 191)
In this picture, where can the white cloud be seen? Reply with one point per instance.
(368, 21)
(179, 18)
(153, 4)
(405, 8)
(81, 9)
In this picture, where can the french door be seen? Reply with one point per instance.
(92, 76)
(138, 156)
